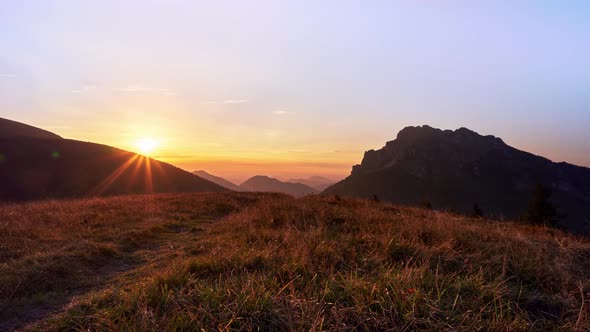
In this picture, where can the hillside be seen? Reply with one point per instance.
(12, 129)
(262, 183)
(245, 261)
(37, 168)
(454, 170)
(217, 180)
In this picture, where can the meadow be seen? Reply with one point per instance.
(251, 261)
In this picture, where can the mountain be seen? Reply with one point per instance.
(262, 183)
(317, 182)
(457, 169)
(218, 180)
(35, 164)
(12, 129)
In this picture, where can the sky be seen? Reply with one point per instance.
(296, 88)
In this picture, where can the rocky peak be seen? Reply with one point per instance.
(425, 143)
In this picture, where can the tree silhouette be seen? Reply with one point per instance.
(427, 204)
(477, 212)
(540, 210)
(376, 198)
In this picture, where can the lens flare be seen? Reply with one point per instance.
(146, 145)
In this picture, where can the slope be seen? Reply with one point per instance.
(11, 129)
(244, 261)
(38, 168)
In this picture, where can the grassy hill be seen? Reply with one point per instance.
(11, 129)
(246, 261)
(36, 164)
(37, 168)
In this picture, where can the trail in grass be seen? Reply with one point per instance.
(161, 246)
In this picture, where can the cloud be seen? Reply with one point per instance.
(282, 112)
(138, 88)
(227, 101)
(132, 88)
(235, 101)
(7, 75)
(85, 88)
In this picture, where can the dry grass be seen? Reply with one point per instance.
(51, 251)
(317, 263)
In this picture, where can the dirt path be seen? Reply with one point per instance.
(172, 241)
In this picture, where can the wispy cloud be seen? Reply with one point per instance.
(235, 101)
(282, 112)
(140, 89)
(5, 75)
(227, 101)
(84, 89)
(132, 88)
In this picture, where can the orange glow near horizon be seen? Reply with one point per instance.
(240, 170)
(211, 87)
(239, 154)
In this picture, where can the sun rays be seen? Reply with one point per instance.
(141, 165)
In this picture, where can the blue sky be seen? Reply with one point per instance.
(297, 87)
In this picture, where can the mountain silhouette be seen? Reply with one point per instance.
(36, 164)
(317, 182)
(218, 180)
(456, 169)
(262, 183)
(13, 129)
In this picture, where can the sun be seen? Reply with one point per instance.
(146, 145)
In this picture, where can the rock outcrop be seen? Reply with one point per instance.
(456, 169)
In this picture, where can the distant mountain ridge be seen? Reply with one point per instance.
(457, 169)
(317, 182)
(36, 164)
(218, 180)
(262, 183)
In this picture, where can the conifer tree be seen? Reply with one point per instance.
(477, 212)
(540, 210)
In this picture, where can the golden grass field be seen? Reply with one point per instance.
(246, 261)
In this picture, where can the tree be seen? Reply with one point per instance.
(477, 212)
(427, 204)
(540, 210)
